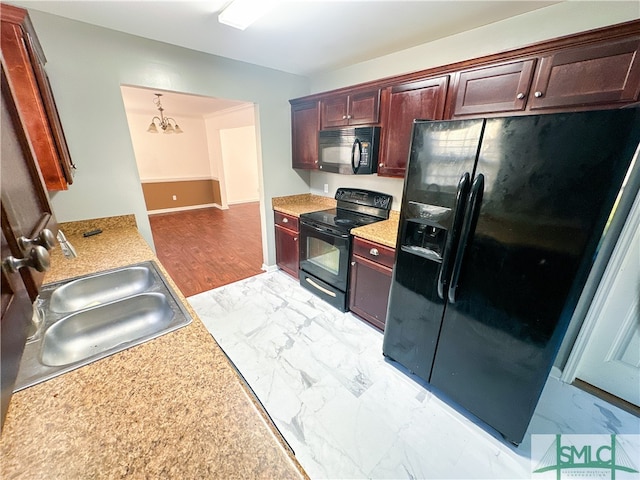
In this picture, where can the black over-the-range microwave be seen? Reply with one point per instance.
(352, 151)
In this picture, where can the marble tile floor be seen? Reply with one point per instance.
(347, 412)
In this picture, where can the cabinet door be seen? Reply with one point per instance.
(287, 254)
(66, 166)
(25, 204)
(424, 100)
(494, 89)
(334, 111)
(305, 124)
(604, 75)
(371, 270)
(364, 108)
(24, 63)
(14, 324)
(369, 291)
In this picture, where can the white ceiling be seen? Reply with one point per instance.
(298, 36)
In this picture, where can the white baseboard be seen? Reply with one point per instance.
(269, 268)
(182, 209)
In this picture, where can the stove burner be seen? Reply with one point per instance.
(344, 221)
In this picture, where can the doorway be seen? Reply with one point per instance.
(201, 186)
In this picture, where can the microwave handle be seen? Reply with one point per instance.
(354, 166)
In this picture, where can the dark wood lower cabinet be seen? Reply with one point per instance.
(287, 249)
(371, 269)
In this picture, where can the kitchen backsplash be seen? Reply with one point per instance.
(333, 181)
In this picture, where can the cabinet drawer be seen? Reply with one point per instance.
(287, 221)
(374, 252)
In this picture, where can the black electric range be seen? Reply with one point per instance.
(325, 241)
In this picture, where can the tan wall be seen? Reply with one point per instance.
(191, 193)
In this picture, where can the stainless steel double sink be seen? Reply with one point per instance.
(81, 320)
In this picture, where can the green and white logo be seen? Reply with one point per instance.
(588, 457)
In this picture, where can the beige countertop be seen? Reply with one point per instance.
(384, 232)
(173, 407)
(296, 205)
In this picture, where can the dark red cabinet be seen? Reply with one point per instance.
(24, 64)
(357, 108)
(305, 124)
(600, 75)
(492, 89)
(287, 245)
(371, 269)
(424, 100)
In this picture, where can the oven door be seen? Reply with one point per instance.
(324, 254)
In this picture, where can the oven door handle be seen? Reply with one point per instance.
(326, 231)
(321, 288)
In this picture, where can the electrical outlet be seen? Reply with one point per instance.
(175, 197)
(326, 188)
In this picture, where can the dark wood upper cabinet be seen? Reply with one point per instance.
(358, 108)
(305, 124)
(597, 69)
(24, 62)
(424, 100)
(605, 75)
(492, 89)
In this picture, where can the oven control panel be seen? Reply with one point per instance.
(364, 197)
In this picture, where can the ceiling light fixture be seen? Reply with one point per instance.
(242, 13)
(163, 122)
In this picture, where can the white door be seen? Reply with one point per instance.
(240, 161)
(611, 359)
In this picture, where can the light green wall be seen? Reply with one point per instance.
(87, 65)
(557, 20)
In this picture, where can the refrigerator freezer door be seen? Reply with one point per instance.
(442, 155)
(551, 182)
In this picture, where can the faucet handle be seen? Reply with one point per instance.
(44, 239)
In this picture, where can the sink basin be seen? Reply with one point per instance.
(102, 288)
(90, 332)
(91, 317)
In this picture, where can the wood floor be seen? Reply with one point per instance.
(207, 248)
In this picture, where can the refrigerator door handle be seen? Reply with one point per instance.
(471, 214)
(454, 234)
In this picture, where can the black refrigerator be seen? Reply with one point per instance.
(500, 224)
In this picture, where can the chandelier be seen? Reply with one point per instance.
(163, 122)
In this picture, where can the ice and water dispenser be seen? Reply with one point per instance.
(425, 230)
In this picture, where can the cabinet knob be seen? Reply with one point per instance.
(381, 165)
(295, 239)
(353, 264)
(520, 96)
(537, 94)
(285, 220)
(349, 116)
(374, 252)
(37, 258)
(344, 117)
(45, 239)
